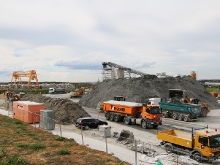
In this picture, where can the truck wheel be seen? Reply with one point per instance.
(112, 117)
(144, 124)
(186, 118)
(117, 118)
(204, 112)
(197, 156)
(169, 148)
(107, 116)
(127, 120)
(175, 116)
(216, 162)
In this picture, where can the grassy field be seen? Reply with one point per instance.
(213, 89)
(21, 143)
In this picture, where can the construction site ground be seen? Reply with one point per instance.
(94, 140)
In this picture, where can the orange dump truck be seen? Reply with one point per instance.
(133, 113)
(201, 145)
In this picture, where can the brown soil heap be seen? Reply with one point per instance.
(66, 111)
(141, 89)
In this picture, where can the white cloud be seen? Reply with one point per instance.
(66, 39)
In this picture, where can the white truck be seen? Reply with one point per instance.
(57, 91)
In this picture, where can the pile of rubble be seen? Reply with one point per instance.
(66, 111)
(143, 88)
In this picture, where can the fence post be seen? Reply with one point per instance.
(34, 120)
(135, 142)
(106, 142)
(82, 136)
(60, 131)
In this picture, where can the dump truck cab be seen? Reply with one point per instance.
(207, 145)
(201, 144)
(151, 115)
(119, 98)
(152, 112)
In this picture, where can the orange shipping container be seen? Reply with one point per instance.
(27, 111)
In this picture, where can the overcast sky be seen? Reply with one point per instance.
(68, 40)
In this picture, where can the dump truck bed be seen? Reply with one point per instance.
(192, 109)
(176, 137)
(123, 107)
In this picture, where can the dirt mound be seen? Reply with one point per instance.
(66, 111)
(141, 89)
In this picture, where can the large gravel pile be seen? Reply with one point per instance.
(66, 111)
(141, 89)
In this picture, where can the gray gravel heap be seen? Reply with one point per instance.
(66, 111)
(143, 88)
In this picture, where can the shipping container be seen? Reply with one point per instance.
(27, 111)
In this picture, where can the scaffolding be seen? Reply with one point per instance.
(31, 74)
(115, 71)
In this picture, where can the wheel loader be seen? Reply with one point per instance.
(11, 95)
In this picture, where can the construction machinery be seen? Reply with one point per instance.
(179, 96)
(193, 74)
(11, 95)
(77, 93)
(31, 74)
(201, 144)
(116, 98)
(57, 91)
(133, 113)
(185, 112)
(114, 71)
(81, 91)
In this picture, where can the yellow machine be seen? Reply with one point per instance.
(11, 95)
(193, 74)
(81, 91)
(201, 145)
(77, 93)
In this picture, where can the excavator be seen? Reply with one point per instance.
(81, 91)
(11, 95)
(77, 93)
(180, 95)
